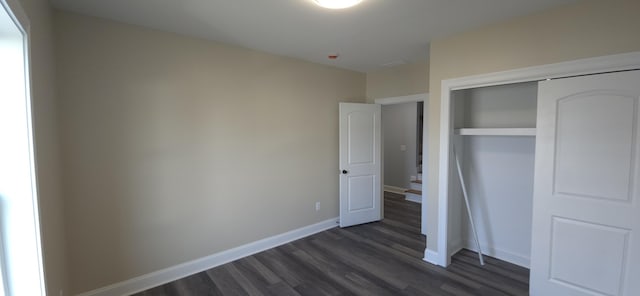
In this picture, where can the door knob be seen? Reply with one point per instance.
(345, 172)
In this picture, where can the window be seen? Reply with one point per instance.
(20, 254)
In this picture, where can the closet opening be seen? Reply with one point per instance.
(494, 141)
(495, 137)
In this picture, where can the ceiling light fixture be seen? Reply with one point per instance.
(337, 4)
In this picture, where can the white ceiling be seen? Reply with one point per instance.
(367, 36)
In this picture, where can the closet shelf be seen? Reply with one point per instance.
(495, 131)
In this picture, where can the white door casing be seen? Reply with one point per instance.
(360, 164)
(586, 208)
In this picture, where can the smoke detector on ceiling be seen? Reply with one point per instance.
(337, 4)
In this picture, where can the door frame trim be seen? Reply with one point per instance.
(421, 97)
(602, 64)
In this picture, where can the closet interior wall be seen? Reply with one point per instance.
(498, 171)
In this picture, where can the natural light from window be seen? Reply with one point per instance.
(20, 257)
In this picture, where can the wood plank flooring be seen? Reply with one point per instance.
(381, 258)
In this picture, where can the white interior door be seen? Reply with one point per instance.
(360, 158)
(586, 208)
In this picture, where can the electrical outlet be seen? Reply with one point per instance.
(317, 206)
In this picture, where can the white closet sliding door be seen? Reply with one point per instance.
(586, 206)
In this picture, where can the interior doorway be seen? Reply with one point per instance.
(404, 135)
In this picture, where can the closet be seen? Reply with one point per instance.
(494, 138)
(552, 170)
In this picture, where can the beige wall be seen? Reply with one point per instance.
(398, 81)
(588, 28)
(43, 95)
(176, 148)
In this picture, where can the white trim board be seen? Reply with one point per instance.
(505, 255)
(487, 250)
(431, 257)
(611, 63)
(423, 97)
(412, 198)
(18, 13)
(394, 189)
(173, 273)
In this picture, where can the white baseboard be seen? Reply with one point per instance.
(431, 257)
(413, 198)
(173, 273)
(511, 257)
(394, 189)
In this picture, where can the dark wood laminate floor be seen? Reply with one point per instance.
(382, 258)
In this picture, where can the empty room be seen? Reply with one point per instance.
(319, 147)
